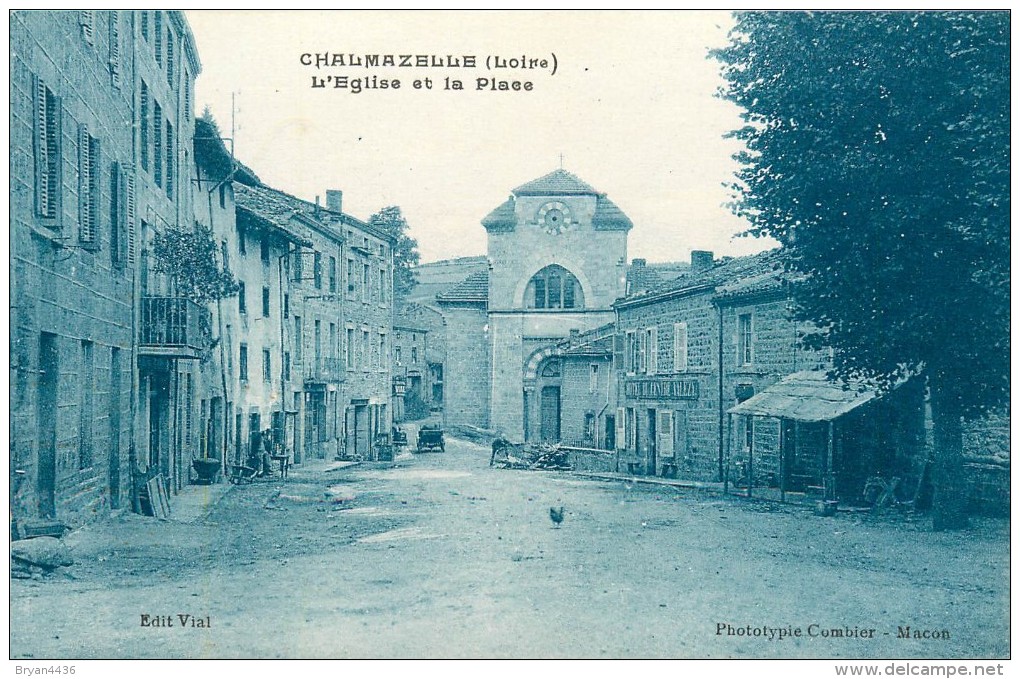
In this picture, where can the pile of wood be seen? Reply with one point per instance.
(38, 556)
(531, 456)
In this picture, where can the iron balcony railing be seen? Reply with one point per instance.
(171, 326)
(324, 369)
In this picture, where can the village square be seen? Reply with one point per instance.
(247, 424)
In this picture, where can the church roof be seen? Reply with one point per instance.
(556, 183)
(475, 288)
(609, 217)
(502, 218)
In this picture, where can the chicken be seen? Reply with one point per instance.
(556, 514)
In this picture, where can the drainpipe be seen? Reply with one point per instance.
(136, 505)
(722, 472)
(283, 383)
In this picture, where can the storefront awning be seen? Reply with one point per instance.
(806, 396)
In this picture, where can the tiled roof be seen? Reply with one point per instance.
(595, 342)
(738, 275)
(608, 217)
(502, 218)
(556, 183)
(475, 288)
(641, 278)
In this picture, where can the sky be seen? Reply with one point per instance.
(626, 101)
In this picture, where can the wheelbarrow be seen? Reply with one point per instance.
(240, 474)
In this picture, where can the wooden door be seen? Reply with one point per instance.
(550, 414)
(49, 375)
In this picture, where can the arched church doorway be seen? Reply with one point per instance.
(550, 376)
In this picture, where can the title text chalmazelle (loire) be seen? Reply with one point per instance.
(446, 72)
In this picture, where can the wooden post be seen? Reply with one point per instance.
(830, 476)
(750, 456)
(782, 463)
(726, 467)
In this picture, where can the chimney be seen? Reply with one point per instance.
(701, 260)
(638, 263)
(316, 205)
(335, 200)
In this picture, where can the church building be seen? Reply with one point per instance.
(557, 260)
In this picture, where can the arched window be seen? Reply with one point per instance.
(554, 288)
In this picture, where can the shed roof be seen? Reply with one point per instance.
(806, 396)
(475, 288)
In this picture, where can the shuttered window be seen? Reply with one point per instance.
(47, 151)
(169, 57)
(621, 429)
(642, 362)
(88, 187)
(115, 48)
(158, 34)
(679, 347)
(143, 123)
(171, 156)
(130, 228)
(157, 138)
(652, 337)
(664, 433)
(87, 20)
(745, 340)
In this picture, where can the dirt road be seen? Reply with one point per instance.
(444, 557)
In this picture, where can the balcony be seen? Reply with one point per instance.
(171, 327)
(323, 370)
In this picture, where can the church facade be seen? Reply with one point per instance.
(557, 260)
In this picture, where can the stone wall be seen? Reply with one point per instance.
(467, 373)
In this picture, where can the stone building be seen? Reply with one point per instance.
(325, 279)
(558, 259)
(101, 123)
(419, 352)
(670, 395)
(411, 389)
(715, 385)
(246, 375)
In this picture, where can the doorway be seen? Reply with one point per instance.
(550, 427)
(114, 460)
(49, 376)
(610, 433)
(651, 441)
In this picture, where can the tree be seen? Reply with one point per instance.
(405, 252)
(877, 153)
(188, 258)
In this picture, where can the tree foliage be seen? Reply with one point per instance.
(188, 258)
(405, 252)
(877, 152)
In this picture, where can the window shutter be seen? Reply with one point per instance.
(42, 185)
(115, 48)
(128, 201)
(679, 347)
(86, 18)
(621, 429)
(653, 351)
(86, 229)
(170, 58)
(664, 433)
(642, 363)
(618, 351)
(680, 430)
